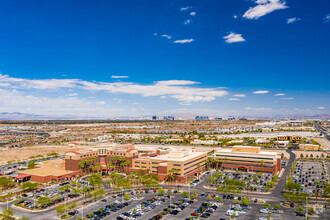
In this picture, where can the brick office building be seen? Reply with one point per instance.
(155, 161)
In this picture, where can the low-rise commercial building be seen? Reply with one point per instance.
(309, 147)
(293, 138)
(249, 158)
(48, 171)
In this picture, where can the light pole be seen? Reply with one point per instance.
(122, 192)
(306, 208)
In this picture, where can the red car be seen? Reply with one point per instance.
(193, 214)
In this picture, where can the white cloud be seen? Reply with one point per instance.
(177, 82)
(184, 41)
(289, 98)
(181, 90)
(186, 8)
(240, 95)
(20, 102)
(71, 94)
(258, 109)
(101, 103)
(233, 38)
(235, 16)
(193, 98)
(292, 20)
(320, 108)
(261, 92)
(188, 21)
(192, 13)
(234, 99)
(155, 34)
(264, 7)
(119, 77)
(279, 94)
(327, 18)
(163, 97)
(167, 36)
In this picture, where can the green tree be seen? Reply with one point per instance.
(218, 199)
(24, 218)
(161, 191)
(300, 209)
(277, 206)
(245, 201)
(7, 214)
(312, 210)
(95, 180)
(31, 165)
(185, 194)
(126, 196)
(44, 200)
(267, 205)
(60, 210)
(29, 186)
(6, 182)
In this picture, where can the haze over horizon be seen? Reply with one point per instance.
(132, 58)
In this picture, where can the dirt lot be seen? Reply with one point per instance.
(324, 143)
(26, 152)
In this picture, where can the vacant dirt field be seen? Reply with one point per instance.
(26, 152)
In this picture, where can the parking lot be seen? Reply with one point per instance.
(311, 176)
(258, 182)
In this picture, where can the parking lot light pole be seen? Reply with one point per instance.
(306, 208)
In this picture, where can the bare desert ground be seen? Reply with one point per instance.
(26, 152)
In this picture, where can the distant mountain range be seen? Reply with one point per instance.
(29, 116)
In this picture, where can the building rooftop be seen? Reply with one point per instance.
(49, 168)
(266, 153)
(180, 156)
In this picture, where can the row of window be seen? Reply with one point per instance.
(187, 168)
(260, 158)
(195, 160)
(239, 164)
(249, 161)
(190, 171)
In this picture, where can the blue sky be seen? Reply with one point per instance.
(132, 58)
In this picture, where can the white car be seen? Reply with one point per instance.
(264, 211)
(232, 212)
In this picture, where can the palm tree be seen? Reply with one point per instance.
(209, 162)
(109, 165)
(82, 166)
(262, 163)
(127, 163)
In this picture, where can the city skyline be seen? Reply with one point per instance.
(107, 59)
